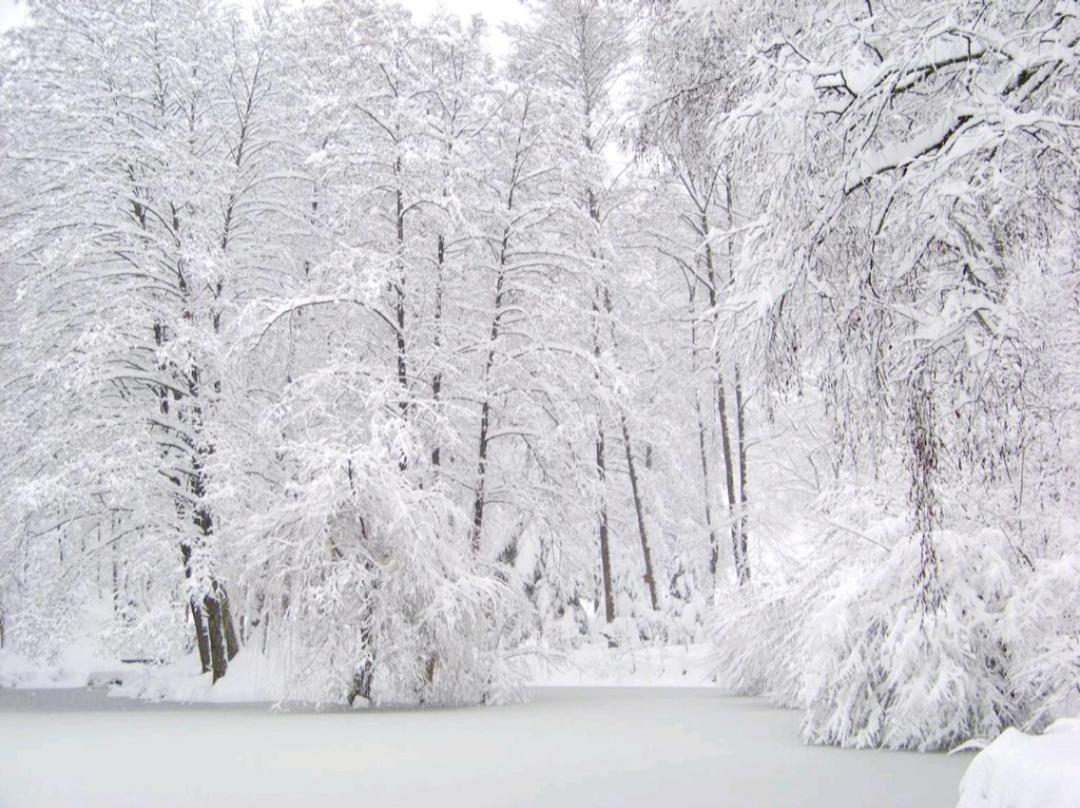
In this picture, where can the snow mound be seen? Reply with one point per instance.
(77, 667)
(1026, 771)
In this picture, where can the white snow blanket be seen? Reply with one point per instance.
(1026, 771)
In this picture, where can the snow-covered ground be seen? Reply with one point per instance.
(1025, 771)
(626, 666)
(567, 747)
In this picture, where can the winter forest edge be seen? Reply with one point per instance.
(327, 337)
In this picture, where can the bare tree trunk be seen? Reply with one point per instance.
(729, 479)
(219, 661)
(640, 512)
(601, 470)
(744, 508)
(219, 627)
(436, 380)
(115, 577)
(605, 545)
(481, 477)
(202, 638)
(362, 681)
(923, 496)
(727, 448)
(485, 408)
(232, 645)
(703, 442)
(740, 422)
(714, 545)
(215, 633)
(479, 501)
(399, 306)
(364, 676)
(219, 623)
(639, 507)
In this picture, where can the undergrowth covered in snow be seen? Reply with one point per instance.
(873, 664)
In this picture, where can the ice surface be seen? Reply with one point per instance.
(567, 747)
(1026, 771)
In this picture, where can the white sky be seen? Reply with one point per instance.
(494, 11)
(10, 14)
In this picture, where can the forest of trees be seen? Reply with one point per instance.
(327, 336)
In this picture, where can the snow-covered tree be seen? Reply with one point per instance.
(328, 339)
(916, 209)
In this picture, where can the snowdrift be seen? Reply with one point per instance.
(1026, 771)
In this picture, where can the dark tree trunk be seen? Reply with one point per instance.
(744, 507)
(635, 489)
(601, 471)
(729, 479)
(923, 495)
(703, 443)
(232, 645)
(714, 545)
(605, 546)
(740, 412)
(198, 617)
(639, 511)
(400, 306)
(362, 679)
(481, 477)
(219, 661)
(485, 408)
(436, 380)
(400, 310)
(115, 581)
(202, 638)
(738, 539)
(218, 630)
(364, 676)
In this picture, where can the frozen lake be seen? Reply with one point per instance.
(568, 747)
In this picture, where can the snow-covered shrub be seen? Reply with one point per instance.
(410, 615)
(885, 668)
(1042, 630)
(755, 633)
(685, 619)
(365, 586)
(846, 634)
(44, 602)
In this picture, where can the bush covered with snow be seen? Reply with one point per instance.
(851, 640)
(1042, 631)
(882, 667)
